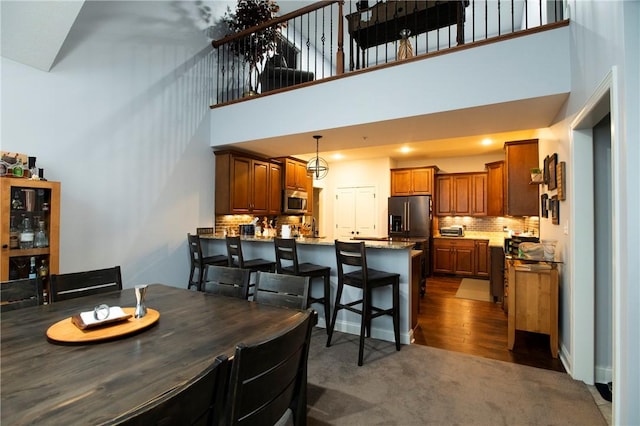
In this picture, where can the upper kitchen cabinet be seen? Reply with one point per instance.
(521, 198)
(297, 178)
(461, 194)
(243, 185)
(275, 192)
(295, 174)
(495, 188)
(413, 181)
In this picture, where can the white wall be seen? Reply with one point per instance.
(122, 120)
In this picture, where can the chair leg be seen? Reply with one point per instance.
(327, 299)
(191, 274)
(365, 323)
(396, 312)
(334, 315)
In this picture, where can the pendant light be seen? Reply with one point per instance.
(318, 166)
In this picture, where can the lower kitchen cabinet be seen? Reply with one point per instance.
(482, 264)
(465, 257)
(453, 256)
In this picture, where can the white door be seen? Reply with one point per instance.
(355, 212)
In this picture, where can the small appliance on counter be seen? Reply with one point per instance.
(452, 231)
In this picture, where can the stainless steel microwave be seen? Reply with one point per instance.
(294, 202)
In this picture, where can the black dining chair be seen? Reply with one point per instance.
(200, 262)
(288, 291)
(199, 401)
(233, 282)
(351, 259)
(287, 263)
(80, 284)
(22, 293)
(268, 381)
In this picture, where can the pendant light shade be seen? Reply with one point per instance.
(318, 166)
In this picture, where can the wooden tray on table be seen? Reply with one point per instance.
(66, 331)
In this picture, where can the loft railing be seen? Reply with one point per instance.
(311, 44)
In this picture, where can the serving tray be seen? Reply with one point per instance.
(66, 331)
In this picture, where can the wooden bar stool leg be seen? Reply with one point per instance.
(334, 315)
(365, 323)
(327, 299)
(396, 312)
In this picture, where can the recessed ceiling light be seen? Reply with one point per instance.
(486, 141)
(337, 156)
(405, 149)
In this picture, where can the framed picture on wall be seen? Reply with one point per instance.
(551, 167)
(544, 205)
(561, 181)
(555, 210)
(546, 170)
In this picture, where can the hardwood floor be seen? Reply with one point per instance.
(476, 328)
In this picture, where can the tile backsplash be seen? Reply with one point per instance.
(231, 222)
(493, 224)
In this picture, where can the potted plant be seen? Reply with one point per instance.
(536, 175)
(253, 48)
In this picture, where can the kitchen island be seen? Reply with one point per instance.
(390, 256)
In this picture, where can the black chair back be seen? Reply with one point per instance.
(23, 293)
(353, 256)
(289, 291)
(200, 401)
(286, 250)
(80, 284)
(234, 252)
(233, 282)
(270, 378)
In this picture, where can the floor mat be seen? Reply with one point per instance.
(474, 289)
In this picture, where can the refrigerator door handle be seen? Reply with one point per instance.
(407, 216)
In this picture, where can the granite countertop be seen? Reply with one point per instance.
(496, 239)
(394, 245)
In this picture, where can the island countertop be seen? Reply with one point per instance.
(382, 244)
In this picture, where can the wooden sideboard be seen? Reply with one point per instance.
(533, 300)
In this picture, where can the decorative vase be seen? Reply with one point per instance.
(141, 309)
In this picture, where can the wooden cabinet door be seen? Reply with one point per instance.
(522, 199)
(444, 194)
(400, 182)
(260, 194)
(479, 194)
(275, 189)
(464, 252)
(240, 182)
(461, 195)
(422, 181)
(495, 188)
(442, 256)
(482, 260)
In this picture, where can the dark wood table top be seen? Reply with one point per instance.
(52, 383)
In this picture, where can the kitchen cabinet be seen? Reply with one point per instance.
(275, 191)
(461, 194)
(297, 178)
(355, 212)
(37, 201)
(482, 264)
(495, 188)
(413, 181)
(295, 175)
(533, 300)
(243, 185)
(451, 256)
(521, 198)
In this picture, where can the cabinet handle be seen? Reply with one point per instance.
(4, 246)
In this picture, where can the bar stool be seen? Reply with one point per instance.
(353, 255)
(287, 250)
(200, 262)
(235, 259)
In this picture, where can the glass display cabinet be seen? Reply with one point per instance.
(30, 218)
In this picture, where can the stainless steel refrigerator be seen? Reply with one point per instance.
(410, 217)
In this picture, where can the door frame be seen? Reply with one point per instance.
(603, 101)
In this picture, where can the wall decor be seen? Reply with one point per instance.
(555, 210)
(546, 170)
(561, 178)
(544, 205)
(553, 162)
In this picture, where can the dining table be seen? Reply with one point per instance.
(46, 381)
